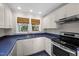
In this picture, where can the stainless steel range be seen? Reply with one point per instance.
(66, 45)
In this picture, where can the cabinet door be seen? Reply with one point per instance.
(60, 13)
(27, 47)
(30, 46)
(52, 21)
(1, 17)
(49, 21)
(48, 46)
(38, 44)
(72, 9)
(8, 18)
(46, 22)
(20, 48)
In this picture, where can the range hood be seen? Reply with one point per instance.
(68, 19)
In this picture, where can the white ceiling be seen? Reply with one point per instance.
(45, 8)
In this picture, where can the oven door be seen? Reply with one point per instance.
(59, 52)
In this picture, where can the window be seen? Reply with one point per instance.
(22, 27)
(35, 27)
(22, 24)
(35, 24)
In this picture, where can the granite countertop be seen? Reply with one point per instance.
(7, 42)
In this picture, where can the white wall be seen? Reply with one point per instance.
(68, 27)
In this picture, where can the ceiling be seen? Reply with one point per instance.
(45, 8)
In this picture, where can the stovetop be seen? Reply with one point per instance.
(69, 40)
(73, 47)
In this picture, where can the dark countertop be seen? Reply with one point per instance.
(7, 42)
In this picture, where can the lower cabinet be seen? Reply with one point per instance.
(27, 47)
(38, 44)
(30, 46)
(48, 46)
(19, 46)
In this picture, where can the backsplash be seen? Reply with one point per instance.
(55, 31)
(69, 27)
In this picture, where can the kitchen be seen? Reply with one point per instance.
(39, 29)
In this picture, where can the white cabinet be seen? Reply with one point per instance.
(38, 44)
(66, 11)
(49, 21)
(72, 9)
(1, 17)
(46, 22)
(48, 45)
(7, 18)
(53, 21)
(30, 46)
(24, 47)
(11, 19)
(27, 47)
(60, 13)
(19, 45)
(34, 45)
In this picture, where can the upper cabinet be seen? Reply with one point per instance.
(1, 17)
(52, 21)
(5, 17)
(49, 21)
(72, 9)
(60, 13)
(63, 12)
(67, 10)
(46, 22)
